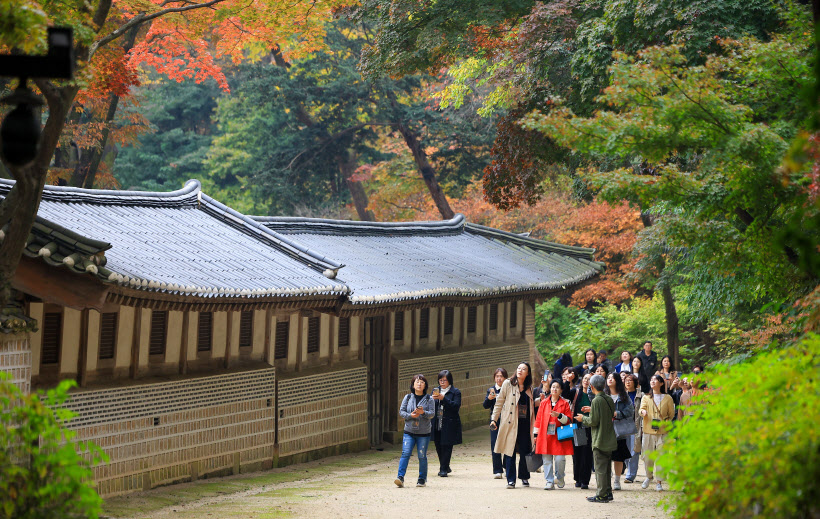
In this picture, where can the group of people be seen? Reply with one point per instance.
(606, 417)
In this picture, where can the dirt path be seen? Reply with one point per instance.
(361, 485)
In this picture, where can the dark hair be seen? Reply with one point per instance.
(634, 378)
(697, 366)
(670, 363)
(662, 383)
(601, 365)
(570, 369)
(603, 352)
(502, 371)
(644, 342)
(639, 360)
(620, 389)
(593, 352)
(527, 381)
(445, 373)
(413, 382)
(560, 386)
(566, 359)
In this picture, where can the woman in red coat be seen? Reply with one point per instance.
(554, 412)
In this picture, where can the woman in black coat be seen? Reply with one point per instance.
(447, 422)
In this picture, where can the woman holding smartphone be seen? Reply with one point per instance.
(447, 423)
(500, 376)
(582, 456)
(666, 372)
(417, 409)
(513, 416)
(657, 411)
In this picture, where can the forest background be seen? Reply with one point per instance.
(678, 138)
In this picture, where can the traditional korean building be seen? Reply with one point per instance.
(208, 342)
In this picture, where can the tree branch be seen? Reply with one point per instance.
(142, 18)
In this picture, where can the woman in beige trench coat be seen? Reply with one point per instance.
(514, 417)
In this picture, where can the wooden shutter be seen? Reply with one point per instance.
(52, 336)
(449, 317)
(246, 329)
(398, 329)
(472, 316)
(344, 332)
(494, 316)
(513, 314)
(108, 335)
(159, 331)
(313, 335)
(280, 350)
(424, 323)
(204, 330)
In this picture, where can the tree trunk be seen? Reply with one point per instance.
(671, 313)
(20, 206)
(347, 165)
(426, 170)
(672, 326)
(86, 172)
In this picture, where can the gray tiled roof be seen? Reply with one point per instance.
(178, 242)
(184, 242)
(392, 262)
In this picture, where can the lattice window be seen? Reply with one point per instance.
(513, 314)
(344, 332)
(472, 317)
(313, 335)
(246, 329)
(204, 331)
(398, 329)
(159, 331)
(280, 350)
(424, 323)
(52, 337)
(494, 316)
(108, 335)
(449, 318)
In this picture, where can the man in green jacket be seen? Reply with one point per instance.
(604, 442)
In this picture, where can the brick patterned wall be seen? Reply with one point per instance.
(167, 432)
(480, 364)
(322, 410)
(15, 359)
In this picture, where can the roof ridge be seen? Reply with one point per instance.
(186, 196)
(544, 245)
(291, 247)
(296, 224)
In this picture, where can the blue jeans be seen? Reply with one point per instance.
(555, 463)
(498, 463)
(421, 443)
(632, 463)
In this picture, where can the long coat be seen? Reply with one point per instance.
(548, 443)
(600, 420)
(505, 414)
(450, 433)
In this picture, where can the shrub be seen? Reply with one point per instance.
(43, 473)
(754, 448)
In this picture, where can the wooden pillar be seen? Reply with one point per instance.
(135, 343)
(228, 337)
(268, 355)
(184, 344)
(82, 370)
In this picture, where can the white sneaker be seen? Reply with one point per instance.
(548, 485)
(560, 482)
(616, 485)
(646, 482)
(498, 475)
(659, 487)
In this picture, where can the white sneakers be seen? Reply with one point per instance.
(646, 482)
(616, 485)
(659, 487)
(498, 475)
(548, 485)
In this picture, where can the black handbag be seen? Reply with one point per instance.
(579, 436)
